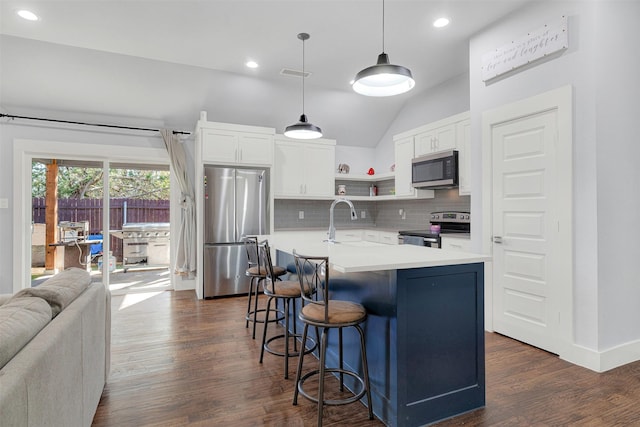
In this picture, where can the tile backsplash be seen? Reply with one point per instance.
(383, 214)
(316, 214)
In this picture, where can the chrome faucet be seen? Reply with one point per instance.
(332, 228)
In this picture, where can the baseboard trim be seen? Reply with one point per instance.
(182, 284)
(602, 361)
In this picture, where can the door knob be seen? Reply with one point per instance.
(497, 239)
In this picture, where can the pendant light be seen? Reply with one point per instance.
(303, 129)
(383, 78)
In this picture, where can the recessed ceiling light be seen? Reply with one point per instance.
(441, 22)
(252, 64)
(28, 15)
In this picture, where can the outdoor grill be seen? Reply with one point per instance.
(144, 244)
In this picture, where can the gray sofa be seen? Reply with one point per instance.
(54, 351)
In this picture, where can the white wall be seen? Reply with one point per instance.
(444, 100)
(592, 65)
(359, 159)
(617, 70)
(29, 131)
(67, 78)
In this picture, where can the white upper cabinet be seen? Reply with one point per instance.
(438, 139)
(404, 154)
(451, 133)
(304, 169)
(463, 143)
(229, 144)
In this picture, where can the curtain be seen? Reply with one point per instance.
(185, 260)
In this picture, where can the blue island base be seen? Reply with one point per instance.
(425, 339)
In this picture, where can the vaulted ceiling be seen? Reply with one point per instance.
(168, 60)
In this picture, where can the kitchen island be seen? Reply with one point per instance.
(425, 324)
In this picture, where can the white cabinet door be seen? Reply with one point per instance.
(423, 143)
(445, 138)
(219, 146)
(236, 148)
(255, 149)
(404, 154)
(455, 244)
(348, 235)
(371, 235)
(388, 238)
(288, 172)
(304, 169)
(463, 144)
(319, 178)
(438, 139)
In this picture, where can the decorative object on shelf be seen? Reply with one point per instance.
(343, 168)
(342, 190)
(303, 129)
(371, 171)
(383, 78)
(373, 190)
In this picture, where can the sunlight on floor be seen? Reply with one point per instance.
(135, 298)
(124, 283)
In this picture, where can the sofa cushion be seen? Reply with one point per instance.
(5, 298)
(20, 320)
(60, 290)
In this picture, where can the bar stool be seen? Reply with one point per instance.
(257, 273)
(327, 314)
(287, 292)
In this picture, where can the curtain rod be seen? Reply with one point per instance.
(178, 132)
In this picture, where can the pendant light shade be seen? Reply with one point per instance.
(303, 129)
(383, 78)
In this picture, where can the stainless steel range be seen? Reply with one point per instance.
(441, 223)
(144, 244)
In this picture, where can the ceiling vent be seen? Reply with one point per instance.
(294, 73)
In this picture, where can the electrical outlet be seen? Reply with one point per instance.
(363, 214)
(300, 214)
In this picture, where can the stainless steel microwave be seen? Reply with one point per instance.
(438, 170)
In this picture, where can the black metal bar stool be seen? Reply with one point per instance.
(257, 273)
(326, 314)
(287, 292)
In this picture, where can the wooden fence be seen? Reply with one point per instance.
(134, 210)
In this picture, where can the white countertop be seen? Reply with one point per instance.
(351, 257)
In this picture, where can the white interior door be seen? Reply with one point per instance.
(525, 225)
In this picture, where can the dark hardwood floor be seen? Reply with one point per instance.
(179, 361)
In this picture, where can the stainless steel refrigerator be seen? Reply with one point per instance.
(235, 204)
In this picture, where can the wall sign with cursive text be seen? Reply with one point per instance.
(535, 45)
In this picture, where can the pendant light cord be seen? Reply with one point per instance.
(303, 76)
(382, 26)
